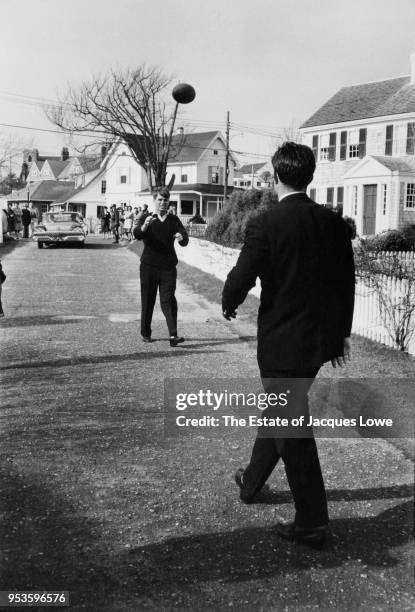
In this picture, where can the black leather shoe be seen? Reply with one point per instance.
(146, 338)
(311, 536)
(247, 499)
(175, 340)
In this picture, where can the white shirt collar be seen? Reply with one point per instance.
(290, 193)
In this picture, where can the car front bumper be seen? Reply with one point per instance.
(59, 238)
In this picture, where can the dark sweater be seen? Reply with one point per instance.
(159, 241)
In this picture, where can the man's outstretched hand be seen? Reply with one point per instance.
(229, 314)
(341, 360)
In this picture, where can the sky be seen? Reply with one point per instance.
(270, 63)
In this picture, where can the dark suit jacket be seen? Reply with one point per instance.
(303, 255)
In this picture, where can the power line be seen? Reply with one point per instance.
(105, 139)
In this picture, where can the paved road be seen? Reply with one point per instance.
(99, 503)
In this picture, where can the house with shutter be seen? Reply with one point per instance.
(363, 140)
(197, 162)
(255, 175)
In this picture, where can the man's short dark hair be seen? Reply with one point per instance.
(163, 191)
(294, 165)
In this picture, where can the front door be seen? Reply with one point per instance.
(369, 209)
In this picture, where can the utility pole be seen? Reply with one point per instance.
(225, 187)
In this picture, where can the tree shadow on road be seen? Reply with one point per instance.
(36, 320)
(48, 543)
(100, 359)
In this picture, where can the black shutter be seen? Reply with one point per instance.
(330, 196)
(362, 142)
(340, 195)
(332, 147)
(389, 140)
(315, 146)
(410, 139)
(313, 194)
(343, 145)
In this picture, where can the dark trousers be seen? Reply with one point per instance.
(299, 454)
(116, 233)
(163, 279)
(25, 230)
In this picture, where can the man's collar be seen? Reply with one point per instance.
(292, 193)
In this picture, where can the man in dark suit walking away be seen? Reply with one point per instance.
(158, 265)
(302, 253)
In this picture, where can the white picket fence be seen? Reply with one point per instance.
(218, 260)
(368, 320)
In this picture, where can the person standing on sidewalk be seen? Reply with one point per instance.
(2, 279)
(26, 220)
(34, 216)
(302, 253)
(115, 223)
(158, 265)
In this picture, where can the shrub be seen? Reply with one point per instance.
(390, 240)
(409, 232)
(229, 225)
(352, 225)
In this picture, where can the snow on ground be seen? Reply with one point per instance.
(212, 258)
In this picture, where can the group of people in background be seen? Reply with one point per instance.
(120, 221)
(21, 220)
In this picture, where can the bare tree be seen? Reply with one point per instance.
(11, 148)
(134, 105)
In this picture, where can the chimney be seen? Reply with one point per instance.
(413, 68)
(180, 131)
(65, 153)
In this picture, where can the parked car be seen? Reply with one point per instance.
(60, 227)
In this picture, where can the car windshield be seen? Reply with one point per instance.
(60, 217)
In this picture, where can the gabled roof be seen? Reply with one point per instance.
(44, 191)
(251, 168)
(400, 164)
(57, 166)
(186, 148)
(377, 99)
(191, 146)
(90, 162)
